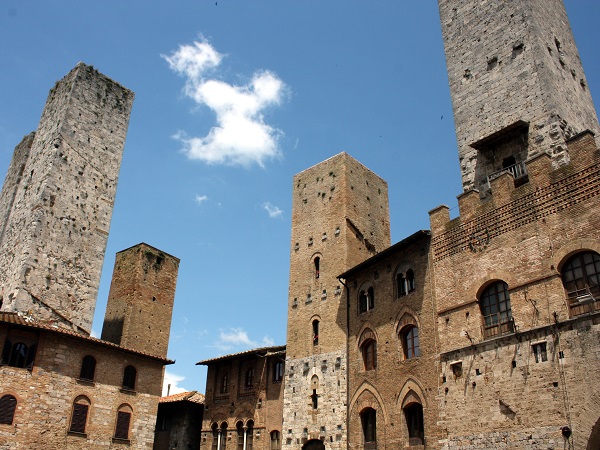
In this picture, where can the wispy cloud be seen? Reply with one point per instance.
(272, 210)
(237, 339)
(173, 380)
(201, 199)
(241, 135)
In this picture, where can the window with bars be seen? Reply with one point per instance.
(79, 415)
(8, 405)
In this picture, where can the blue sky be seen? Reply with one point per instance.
(232, 99)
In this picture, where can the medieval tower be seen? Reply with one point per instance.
(517, 85)
(58, 198)
(340, 217)
(140, 301)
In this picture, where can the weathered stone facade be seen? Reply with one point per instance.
(339, 218)
(243, 400)
(517, 84)
(58, 197)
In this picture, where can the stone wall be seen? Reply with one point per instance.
(509, 62)
(45, 395)
(57, 206)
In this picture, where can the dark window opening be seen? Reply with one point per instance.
(581, 280)
(366, 300)
(400, 285)
(19, 349)
(129, 376)
(224, 387)
(410, 280)
(249, 434)
(240, 435)
(539, 351)
(315, 399)
(275, 440)
(315, 332)
(368, 419)
(317, 266)
(278, 371)
(249, 379)
(369, 351)
(88, 368)
(413, 414)
(8, 405)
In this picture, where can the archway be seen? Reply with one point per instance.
(314, 444)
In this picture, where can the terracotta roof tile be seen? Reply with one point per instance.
(274, 350)
(191, 396)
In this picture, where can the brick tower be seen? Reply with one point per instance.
(57, 200)
(140, 301)
(340, 217)
(517, 85)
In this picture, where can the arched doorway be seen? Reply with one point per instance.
(594, 442)
(314, 444)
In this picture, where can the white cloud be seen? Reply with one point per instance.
(272, 210)
(201, 199)
(173, 380)
(95, 334)
(241, 136)
(237, 339)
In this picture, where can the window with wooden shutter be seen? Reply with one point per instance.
(8, 404)
(79, 418)
(122, 428)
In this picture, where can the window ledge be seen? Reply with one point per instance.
(117, 440)
(128, 391)
(86, 382)
(76, 434)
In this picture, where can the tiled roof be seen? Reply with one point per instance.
(30, 322)
(192, 396)
(274, 350)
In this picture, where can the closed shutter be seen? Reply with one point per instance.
(79, 418)
(122, 430)
(7, 409)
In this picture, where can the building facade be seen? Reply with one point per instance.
(179, 421)
(243, 403)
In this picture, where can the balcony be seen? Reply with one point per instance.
(518, 171)
(496, 326)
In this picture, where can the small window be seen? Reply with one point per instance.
(413, 414)
(8, 405)
(368, 419)
(317, 262)
(410, 280)
(215, 436)
(79, 415)
(224, 387)
(275, 440)
(315, 332)
(19, 349)
(88, 368)
(129, 375)
(410, 342)
(315, 399)
(369, 353)
(400, 285)
(366, 300)
(222, 436)
(123, 422)
(539, 351)
(249, 379)
(278, 371)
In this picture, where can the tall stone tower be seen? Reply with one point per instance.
(57, 200)
(140, 301)
(517, 85)
(340, 217)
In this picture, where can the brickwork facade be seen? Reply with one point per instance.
(140, 301)
(243, 400)
(58, 199)
(517, 83)
(392, 352)
(340, 217)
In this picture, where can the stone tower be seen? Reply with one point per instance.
(340, 217)
(517, 85)
(140, 301)
(57, 200)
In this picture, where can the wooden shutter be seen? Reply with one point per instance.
(122, 430)
(7, 409)
(79, 418)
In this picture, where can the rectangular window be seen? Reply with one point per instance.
(539, 351)
(122, 429)
(79, 418)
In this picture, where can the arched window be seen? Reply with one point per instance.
(410, 342)
(413, 414)
(224, 386)
(239, 427)
(410, 280)
(315, 332)
(368, 419)
(317, 262)
(369, 354)
(494, 303)
(123, 422)
(249, 379)
(223, 436)
(277, 371)
(215, 436)
(366, 300)
(19, 349)
(8, 405)
(249, 434)
(581, 280)
(79, 414)
(129, 375)
(88, 368)
(275, 440)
